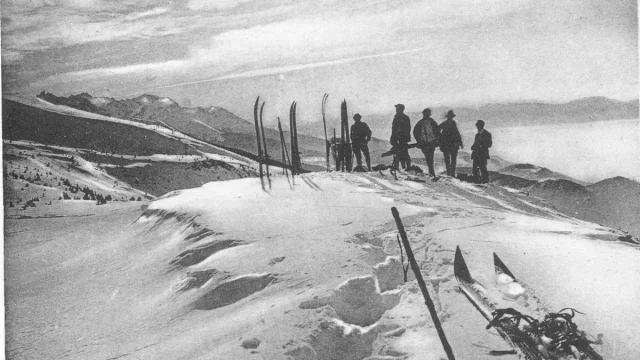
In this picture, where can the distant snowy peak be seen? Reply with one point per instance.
(101, 101)
(148, 99)
(167, 101)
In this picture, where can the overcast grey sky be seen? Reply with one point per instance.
(373, 53)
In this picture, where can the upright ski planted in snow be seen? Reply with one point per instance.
(295, 153)
(264, 146)
(346, 142)
(324, 122)
(285, 153)
(255, 120)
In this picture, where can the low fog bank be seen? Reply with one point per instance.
(589, 151)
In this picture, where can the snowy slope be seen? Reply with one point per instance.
(304, 271)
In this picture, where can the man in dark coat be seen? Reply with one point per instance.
(401, 135)
(480, 153)
(427, 134)
(450, 141)
(360, 137)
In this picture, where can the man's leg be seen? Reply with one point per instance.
(447, 160)
(428, 153)
(454, 155)
(367, 157)
(476, 169)
(403, 155)
(356, 151)
(484, 171)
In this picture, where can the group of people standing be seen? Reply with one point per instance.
(429, 135)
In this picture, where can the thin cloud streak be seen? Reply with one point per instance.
(279, 70)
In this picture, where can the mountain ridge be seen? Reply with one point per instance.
(613, 202)
(595, 108)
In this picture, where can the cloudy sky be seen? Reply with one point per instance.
(373, 53)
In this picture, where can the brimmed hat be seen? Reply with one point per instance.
(450, 114)
(399, 106)
(357, 116)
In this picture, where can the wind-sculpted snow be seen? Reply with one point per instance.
(197, 254)
(306, 271)
(232, 290)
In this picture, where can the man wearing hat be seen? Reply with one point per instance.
(401, 135)
(480, 153)
(360, 136)
(450, 141)
(427, 135)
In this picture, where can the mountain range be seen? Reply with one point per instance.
(613, 202)
(510, 114)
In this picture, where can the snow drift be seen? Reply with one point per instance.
(305, 271)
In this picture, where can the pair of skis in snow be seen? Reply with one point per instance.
(533, 340)
(294, 162)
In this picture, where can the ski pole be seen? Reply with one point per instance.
(423, 286)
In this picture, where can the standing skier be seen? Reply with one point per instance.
(401, 135)
(360, 137)
(480, 153)
(427, 135)
(450, 140)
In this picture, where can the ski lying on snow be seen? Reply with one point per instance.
(523, 343)
(477, 295)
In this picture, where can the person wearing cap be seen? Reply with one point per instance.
(360, 137)
(427, 135)
(480, 153)
(450, 141)
(401, 136)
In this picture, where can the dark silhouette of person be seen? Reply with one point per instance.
(427, 134)
(360, 137)
(400, 136)
(450, 141)
(480, 153)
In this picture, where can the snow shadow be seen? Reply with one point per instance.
(233, 290)
(202, 252)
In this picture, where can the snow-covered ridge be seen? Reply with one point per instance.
(359, 308)
(313, 271)
(162, 130)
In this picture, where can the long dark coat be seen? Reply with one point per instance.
(449, 135)
(400, 130)
(481, 145)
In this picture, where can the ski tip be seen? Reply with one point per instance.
(500, 267)
(460, 269)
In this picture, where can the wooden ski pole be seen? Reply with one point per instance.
(421, 283)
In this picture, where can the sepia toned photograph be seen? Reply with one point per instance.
(321, 180)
